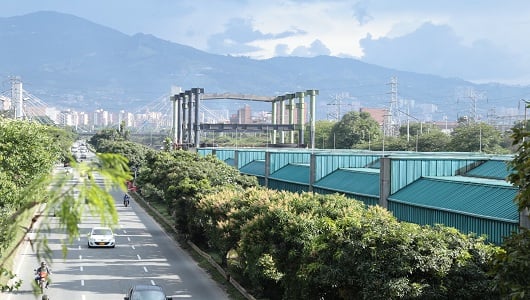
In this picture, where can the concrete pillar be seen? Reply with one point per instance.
(267, 167)
(384, 181)
(174, 137)
(282, 117)
(197, 128)
(524, 218)
(236, 159)
(301, 117)
(312, 172)
(185, 108)
(189, 96)
(312, 116)
(180, 98)
(16, 98)
(274, 118)
(291, 114)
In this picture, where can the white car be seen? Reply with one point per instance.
(101, 237)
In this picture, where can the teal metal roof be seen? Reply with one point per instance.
(230, 162)
(256, 168)
(298, 173)
(492, 201)
(359, 181)
(497, 169)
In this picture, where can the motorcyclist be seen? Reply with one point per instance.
(42, 269)
(126, 199)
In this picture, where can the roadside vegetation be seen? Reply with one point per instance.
(30, 190)
(279, 245)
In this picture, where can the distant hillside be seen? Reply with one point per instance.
(74, 63)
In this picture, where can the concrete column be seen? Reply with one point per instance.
(274, 118)
(174, 138)
(312, 173)
(282, 117)
(291, 114)
(16, 98)
(197, 128)
(185, 108)
(267, 167)
(312, 115)
(180, 97)
(384, 181)
(301, 117)
(189, 95)
(236, 159)
(524, 218)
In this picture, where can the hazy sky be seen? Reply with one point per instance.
(477, 40)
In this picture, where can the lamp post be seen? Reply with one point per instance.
(526, 102)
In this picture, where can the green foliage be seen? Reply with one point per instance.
(476, 137)
(323, 134)
(28, 152)
(134, 152)
(354, 128)
(512, 266)
(304, 246)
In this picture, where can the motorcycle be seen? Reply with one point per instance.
(41, 279)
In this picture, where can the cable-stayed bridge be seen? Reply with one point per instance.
(155, 116)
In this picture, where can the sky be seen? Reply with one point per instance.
(476, 40)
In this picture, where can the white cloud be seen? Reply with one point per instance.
(489, 37)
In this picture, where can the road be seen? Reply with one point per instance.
(144, 254)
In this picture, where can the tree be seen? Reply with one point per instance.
(354, 128)
(476, 137)
(28, 152)
(323, 134)
(512, 269)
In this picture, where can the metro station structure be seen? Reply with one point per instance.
(186, 126)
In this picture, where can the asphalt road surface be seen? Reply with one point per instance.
(144, 254)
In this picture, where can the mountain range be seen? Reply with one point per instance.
(70, 62)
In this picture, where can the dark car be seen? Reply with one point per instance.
(146, 292)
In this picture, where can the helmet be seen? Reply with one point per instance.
(45, 297)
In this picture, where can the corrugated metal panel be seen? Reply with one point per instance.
(204, 152)
(295, 173)
(224, 154)
(288, 186)
(281, 158)
(256, 168)
(363, 182)
(405, 170)
(497, 169)
(494, 230)
(328, 163)
(368, 201)
(489, 201)
(230, 162)
(247, 156)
